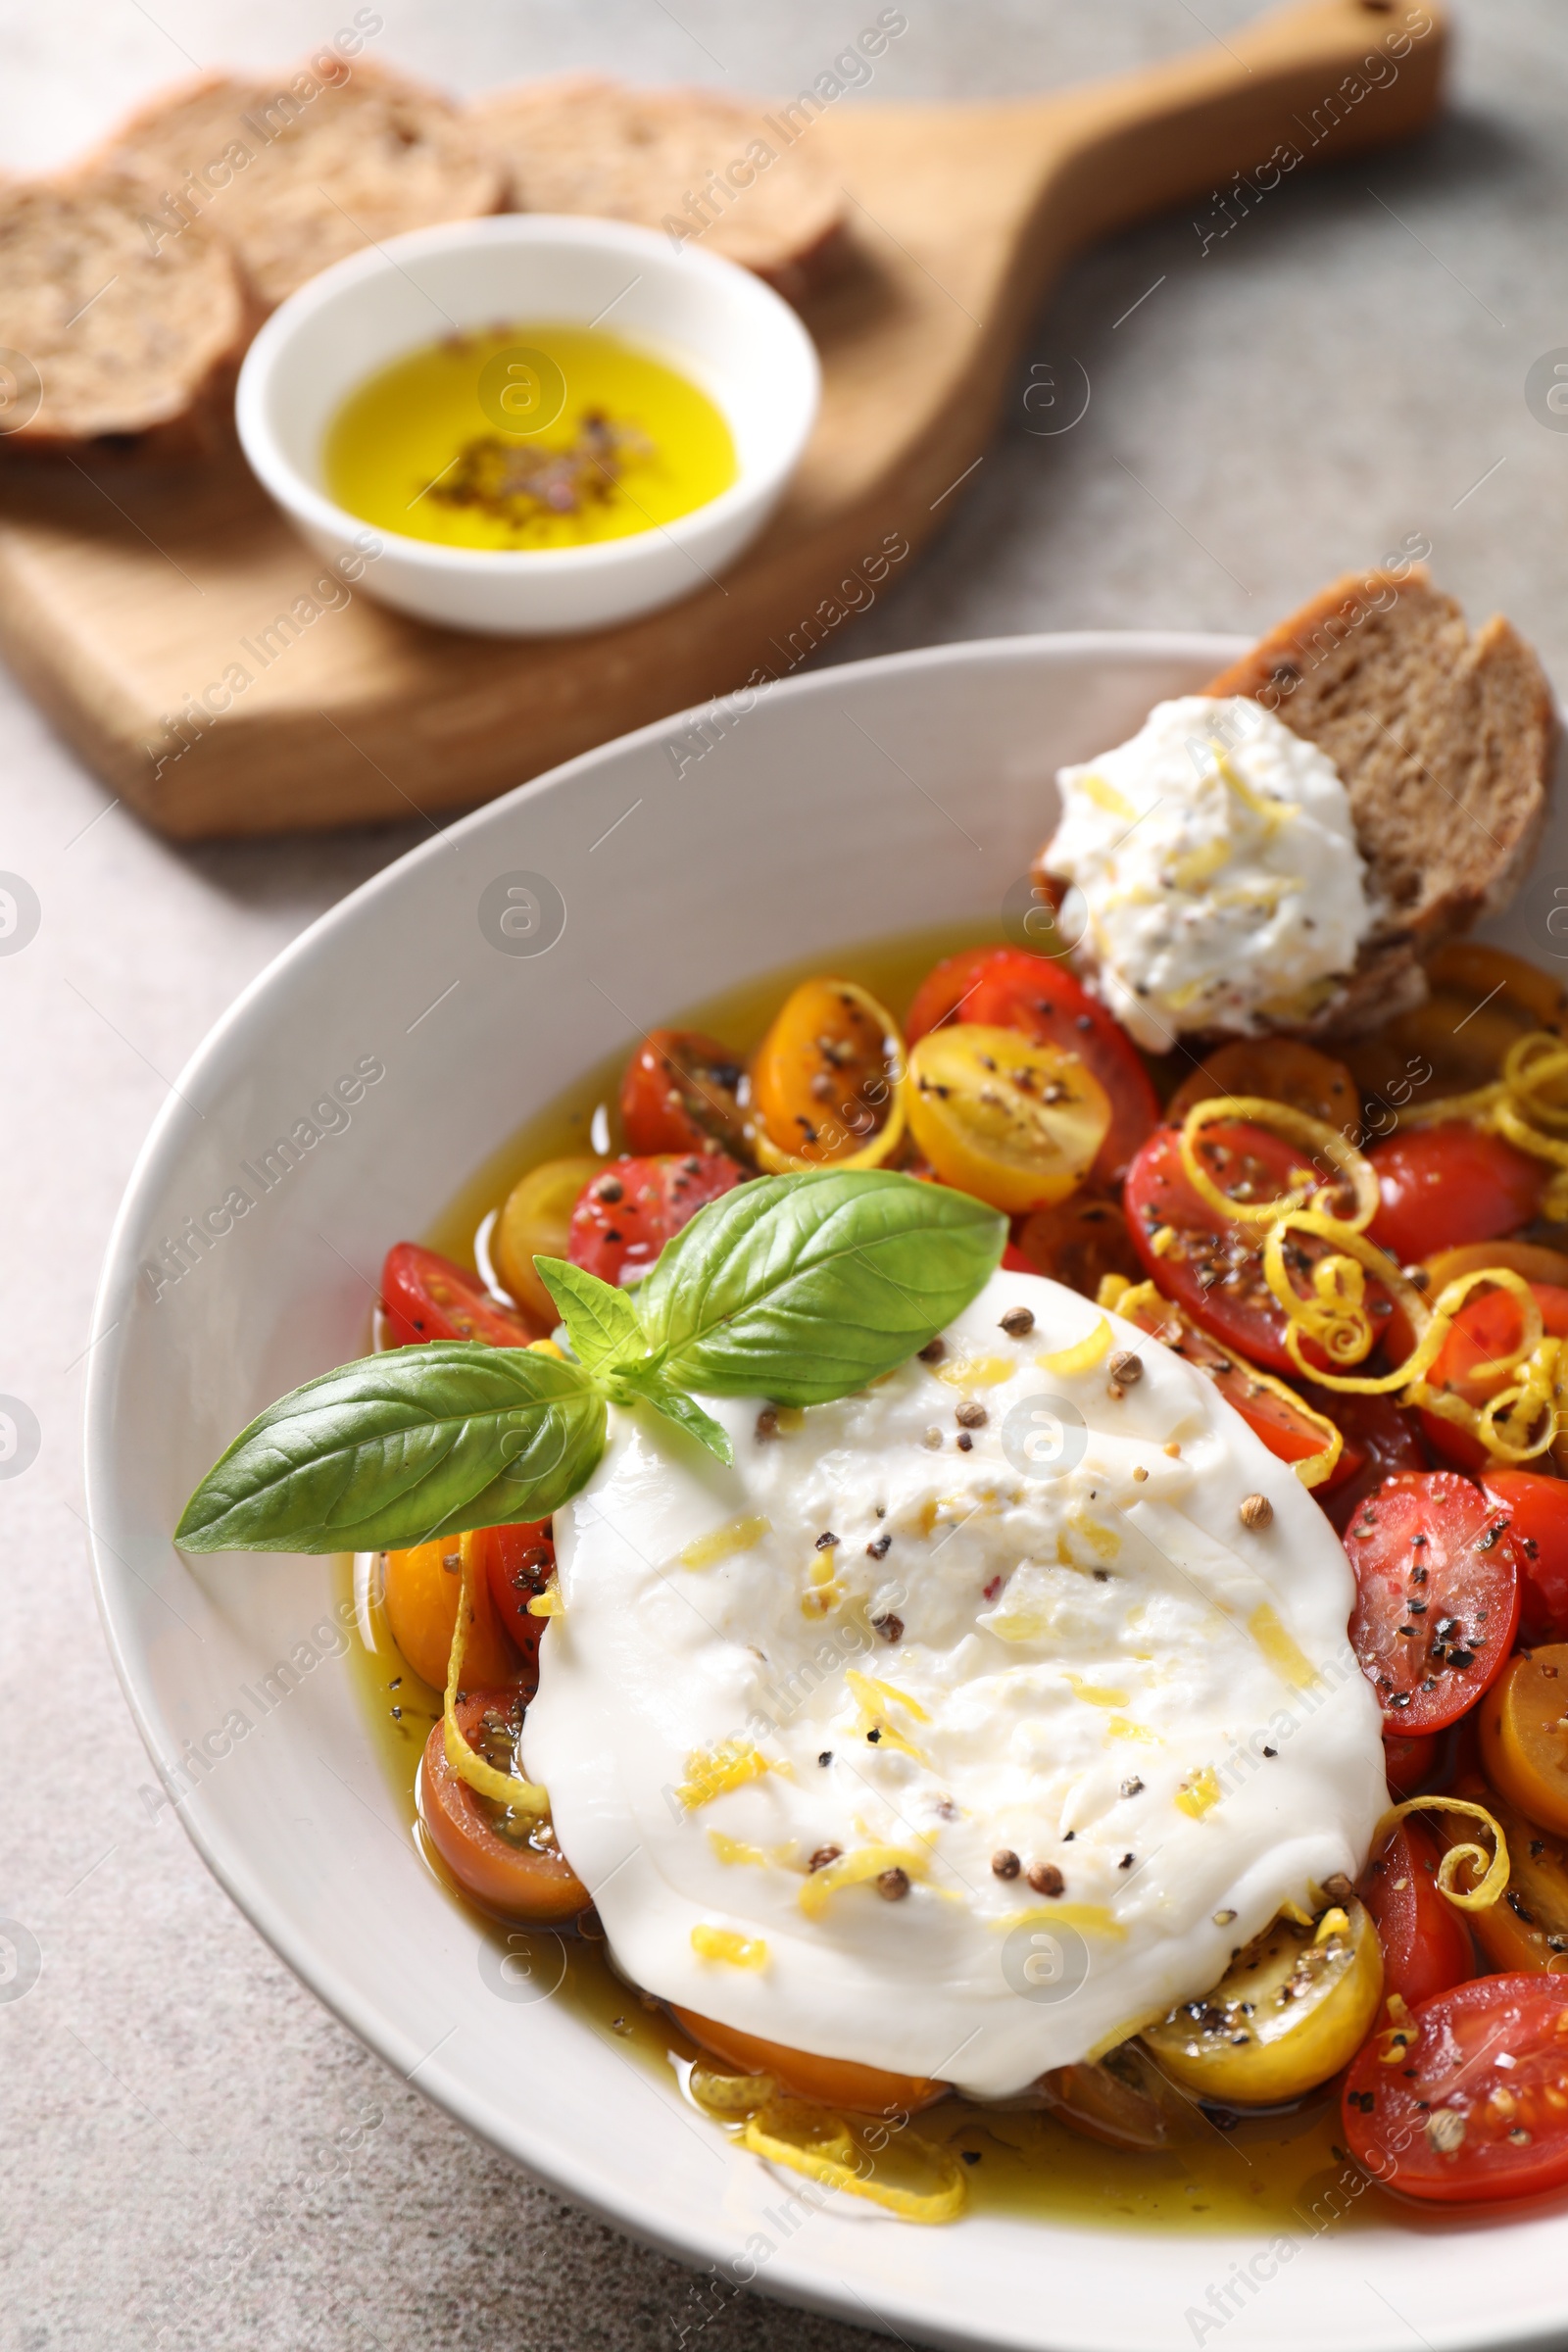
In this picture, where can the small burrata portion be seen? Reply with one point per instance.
(1216, 882)
(965, 1723)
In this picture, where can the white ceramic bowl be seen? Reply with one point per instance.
(718, 324)
(886, 796)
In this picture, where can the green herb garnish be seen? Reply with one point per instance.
(799, 1289)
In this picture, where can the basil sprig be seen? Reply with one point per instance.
(799, 1289)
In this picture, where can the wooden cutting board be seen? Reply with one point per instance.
(126, 596)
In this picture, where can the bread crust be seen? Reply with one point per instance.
(131, 348)
(1446, 741)
(301, 172)
(714, 165)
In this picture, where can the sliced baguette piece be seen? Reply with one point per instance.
(120, 342)
(1446, 741)
(711, 171)
(300, 172)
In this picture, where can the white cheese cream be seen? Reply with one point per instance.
(1217, 876)
(1059, 1643)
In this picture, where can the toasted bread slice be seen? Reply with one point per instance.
(119, 341)
(710, 170)
(300, 173)
(1444, 741)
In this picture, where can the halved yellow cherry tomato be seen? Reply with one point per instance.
(1014, 1123)
(825, 1081)
(422, 1586)
(1289, 2011)
(1524, 1734)
(830, 2082)
(534, 1223)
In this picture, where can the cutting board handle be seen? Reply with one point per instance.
(1224, 124)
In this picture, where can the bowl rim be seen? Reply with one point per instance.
(271, 350)
(523, 2139)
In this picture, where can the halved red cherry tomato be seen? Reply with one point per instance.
(1436, 1596)
(1281, 1068)
(517, 1563)
(1538, 1508)
(1443, 1186)
(631, 1209)
(1208, 1264)
(1409, 1763)
(1484, 1330)
(942, 997)
(507, 1861)
(1426, 1946)
(427, 1297)
(1381, 1436)
(1477, 2109)
(1079, 1241)
(681, 1093)
(1285, 1430)
(1007, 988)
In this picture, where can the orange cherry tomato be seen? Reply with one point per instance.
(507, 1860)
(825, 1081)
(831, 2082)
(536, 1222)
(1490, 2054)
(1007, 988)
(1079, 1241)
(1524, 1734)
(1537, 1513)
(1441, 1186)
(1281, 1070)
(1528, 1928)
(1426, 1946)
(421, 1594)
(1436, 1596)
(682, 1092)
(1014, 1123)
(426, 1297)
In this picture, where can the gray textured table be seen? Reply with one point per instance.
(1346, 368)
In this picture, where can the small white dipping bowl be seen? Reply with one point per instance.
(718, 324)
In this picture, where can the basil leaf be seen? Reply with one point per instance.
(803, 1288)
(600, 1321)
(400, 1447)
(651, 1388)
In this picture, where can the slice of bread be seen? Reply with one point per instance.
(124, 344)
(300, 173)
(1445, 743)
(713, 171)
